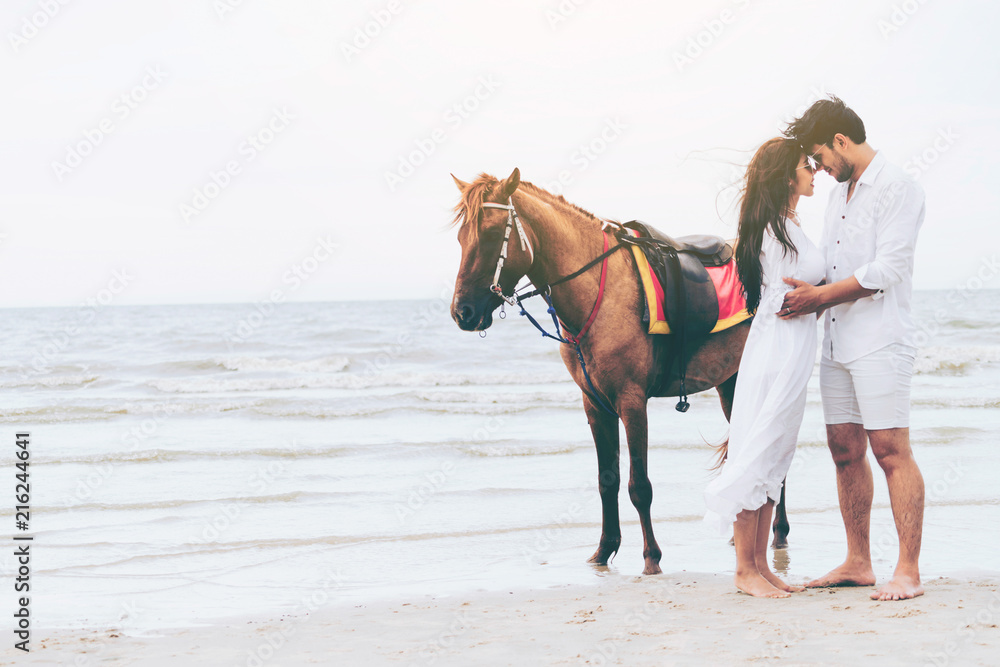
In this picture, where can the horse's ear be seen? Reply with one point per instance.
(510, 184)
(462, 185)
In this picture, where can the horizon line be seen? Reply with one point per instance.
(323, 301)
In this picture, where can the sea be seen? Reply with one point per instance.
(194, 463)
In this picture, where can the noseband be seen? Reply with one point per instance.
(512, 221)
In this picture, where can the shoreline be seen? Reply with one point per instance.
(675, 618)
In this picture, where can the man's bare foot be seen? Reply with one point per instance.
(757, 586)
(900, 587)
(778, 583)
(846, 575)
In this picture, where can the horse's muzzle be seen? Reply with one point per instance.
(471, 315)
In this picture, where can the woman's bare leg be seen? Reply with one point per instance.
(746, 536)
(760, 553)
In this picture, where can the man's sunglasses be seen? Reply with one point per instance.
(812, 164)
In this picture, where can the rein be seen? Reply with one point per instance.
(562, 334)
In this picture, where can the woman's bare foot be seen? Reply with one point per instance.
(756, 585)
(900, 587)
(777, 582)
(848, 574)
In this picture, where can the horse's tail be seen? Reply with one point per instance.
(721, 453)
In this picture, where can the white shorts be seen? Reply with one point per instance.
(873, 391)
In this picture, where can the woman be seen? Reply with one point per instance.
(778, 359)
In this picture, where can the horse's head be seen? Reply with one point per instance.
(481, 236)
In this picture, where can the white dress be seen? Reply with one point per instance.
(770, 395)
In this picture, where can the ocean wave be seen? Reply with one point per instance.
(291, 409)
(959, 402)
(968, 324)
(118, 554)
(207, 385)
(501, 449)
(371, 410)
(169, 455)
(547, 397)
(247, 364)
(178, 503)
(954, 360)
(57, 414)
(479, 447)
(320, 365)
(946, 435)
(214, 385)
(29, 380)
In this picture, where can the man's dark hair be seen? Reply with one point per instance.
(823, 120)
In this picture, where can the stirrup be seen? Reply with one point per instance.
(682, 404)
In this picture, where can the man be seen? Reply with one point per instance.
(872, 221)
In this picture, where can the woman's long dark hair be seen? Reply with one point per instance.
(766, 191)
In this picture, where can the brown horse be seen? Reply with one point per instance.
(627, 365)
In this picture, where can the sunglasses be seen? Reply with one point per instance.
(812, 164)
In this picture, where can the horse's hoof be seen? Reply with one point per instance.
(779, 542)
(652, 568)
(603, 556)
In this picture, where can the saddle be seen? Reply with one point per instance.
(710, 250)
(691, 287)
(691, 304)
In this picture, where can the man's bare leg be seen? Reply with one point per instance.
(748, 579)
(891, 447)
(760, 553)
(848, 445)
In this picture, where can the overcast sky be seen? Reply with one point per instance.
(215, 150)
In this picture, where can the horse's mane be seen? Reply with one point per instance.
(470, 206)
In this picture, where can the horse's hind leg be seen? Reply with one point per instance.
(633, 413)
(726, 391)
(780, 527)
(605, 430)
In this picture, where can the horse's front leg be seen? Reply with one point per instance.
(633, 413)
(605, 430)
(780, 527)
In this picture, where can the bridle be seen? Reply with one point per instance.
(516, 300)
(512, 221)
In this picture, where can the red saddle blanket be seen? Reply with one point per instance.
(728, 289)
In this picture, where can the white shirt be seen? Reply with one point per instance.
(872, 237)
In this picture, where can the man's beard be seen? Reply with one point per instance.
(844, 170)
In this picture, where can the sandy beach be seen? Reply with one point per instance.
(673, 619)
